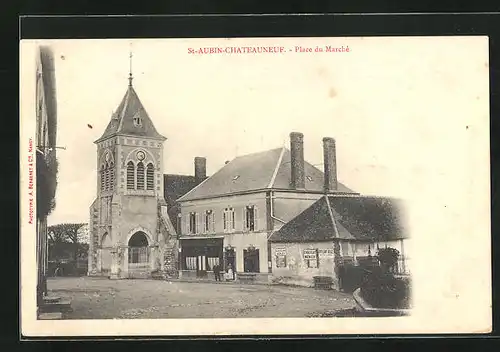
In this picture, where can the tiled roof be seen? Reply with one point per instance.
(122, 120)
(313, 224)
(174, 186)
(371, 217)
(269, 169)
(356, 218)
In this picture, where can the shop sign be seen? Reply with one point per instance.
(310, 254)
(280, 251)
(325, 253)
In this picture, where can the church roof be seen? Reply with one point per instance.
(174, 186)
(270, 169)
(122, 120)
(359, 218)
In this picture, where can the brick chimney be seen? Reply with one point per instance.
(297, 160)
(200, 168)
(330, 163)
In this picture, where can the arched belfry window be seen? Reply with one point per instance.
(130, 175)
(107, 175)
(103, 180)
(140, 175)
(150, 177)
(111, 176)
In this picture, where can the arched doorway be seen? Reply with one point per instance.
(105, 253)
(138, 254)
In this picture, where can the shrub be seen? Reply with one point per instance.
(353, 277)
(388, 257)
(382, 290)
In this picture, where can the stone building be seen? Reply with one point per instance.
(46, 161)
(338, 229)
(229, 217)
(131, 233)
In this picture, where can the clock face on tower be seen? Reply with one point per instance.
(141, 155)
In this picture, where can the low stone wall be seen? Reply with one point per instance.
(192, 275)
(291, 281)
(366, 308)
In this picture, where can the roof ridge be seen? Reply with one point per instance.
(122, 113)
(179, 175)
(278, 164)
(255, 153)
(330, 211)
(202, 182)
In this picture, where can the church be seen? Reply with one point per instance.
(132, 228)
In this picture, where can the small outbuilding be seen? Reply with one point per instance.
(334, 231)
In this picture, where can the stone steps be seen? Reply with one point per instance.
(56, 306)
(50, 316)
(139, 274)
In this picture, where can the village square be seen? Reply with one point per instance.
(268, 234)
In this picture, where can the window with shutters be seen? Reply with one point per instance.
(228, 218)
(150, 177)
(250, 217)
(140, 175)
(130, 175)
(192, 223)
(209, 221)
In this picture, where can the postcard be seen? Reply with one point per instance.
(255, 186)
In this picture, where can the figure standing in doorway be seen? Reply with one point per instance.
(230, 273)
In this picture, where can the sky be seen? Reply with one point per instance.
(398, 107)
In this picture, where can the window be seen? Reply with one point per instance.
(212, 261)
(103, 180)
(106, 172)
(228, 219)
(111, 176)
(190, 263)
(192, 222)
(209, 221)
(281, 261)
(150, 175)
(250, 217)
(137, 120)
(140, 175)
(280, 254)
(311, 258)
(130, 175)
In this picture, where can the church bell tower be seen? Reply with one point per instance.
(130, 229)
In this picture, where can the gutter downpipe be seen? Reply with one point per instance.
(270, 197)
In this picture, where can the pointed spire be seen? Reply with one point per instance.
(130, 77)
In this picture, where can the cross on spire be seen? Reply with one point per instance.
(130, 78)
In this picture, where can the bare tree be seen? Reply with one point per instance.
(68, 232)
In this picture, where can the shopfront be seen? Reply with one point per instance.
(199, 256)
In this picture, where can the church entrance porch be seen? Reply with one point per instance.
(139, 256)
